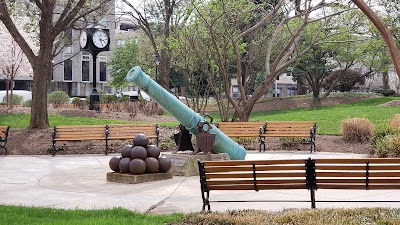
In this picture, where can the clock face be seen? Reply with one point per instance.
(100, 39)
(83, 39)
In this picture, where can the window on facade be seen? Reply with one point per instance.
(67, 67)
(103, 68)
(85, 66)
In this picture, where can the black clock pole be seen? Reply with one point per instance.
(94, 103)
(100, 44)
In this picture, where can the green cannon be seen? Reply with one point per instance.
(186, 116)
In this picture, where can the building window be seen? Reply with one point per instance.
(85, 66)
(103, 68)
(67, 68)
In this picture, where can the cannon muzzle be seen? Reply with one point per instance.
(186, 116)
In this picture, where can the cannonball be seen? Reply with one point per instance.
(114, 163)
(140, 140)
(138, 152)
(164, 164)
(153, 151)
(137, 166)
(151, 164)
(126, 151)
(124, 165)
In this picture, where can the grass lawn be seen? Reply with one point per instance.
(32, 215)
(43, 216)
(22, 120)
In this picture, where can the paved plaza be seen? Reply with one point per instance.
(79, 181)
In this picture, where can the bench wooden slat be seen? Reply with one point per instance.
(357, 167)
(250, 168)
(290, 123)
(357, 161)
(250, 175)
(361, 181)
(259, 181)
(361, 187)
(251, 162)
(259, 187)
(357, 174)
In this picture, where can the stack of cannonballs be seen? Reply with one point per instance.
(140, 158)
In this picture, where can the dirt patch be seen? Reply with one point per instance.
(39, 142)
(391, 103)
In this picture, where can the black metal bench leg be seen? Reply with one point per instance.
(205, 200)
(106, 152)
(312, 193)
(54, 148)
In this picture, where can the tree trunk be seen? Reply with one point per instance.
(385, 81)
(316, 100)
(39, 114)
(11, 87)
(7, 89)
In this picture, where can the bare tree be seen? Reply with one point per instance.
(51, 18)
(157, 19)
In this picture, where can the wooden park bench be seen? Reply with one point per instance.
(309, 174)
(103, 132)
(128, 131)
(290, 129)
(242, 129)
(78, 133)
(4, 137)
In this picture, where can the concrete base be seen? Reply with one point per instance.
(185, 164)
(135, 179)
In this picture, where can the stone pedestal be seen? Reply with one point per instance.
(185, 164)
(129, 178)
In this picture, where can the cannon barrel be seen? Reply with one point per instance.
(186, 116)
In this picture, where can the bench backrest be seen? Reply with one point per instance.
(128, 131)
(4, 132)
(368, 173)
(81, 132)
(252, 175)
(241, 129)
(289, 128)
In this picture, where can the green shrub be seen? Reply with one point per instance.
(357, 129)
(16, 99)
(57, 98)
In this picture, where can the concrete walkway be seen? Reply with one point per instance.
(79, 181)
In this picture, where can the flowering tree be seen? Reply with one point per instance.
(13, 62)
